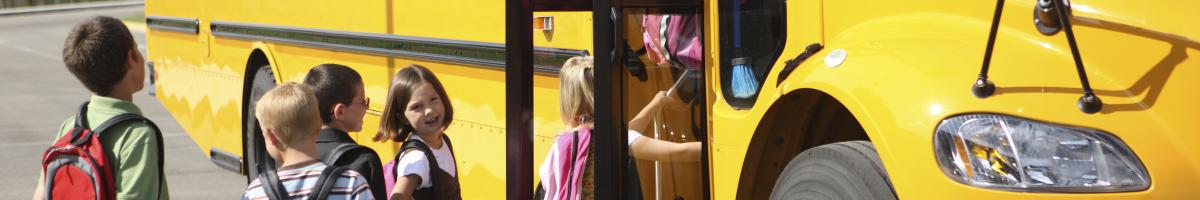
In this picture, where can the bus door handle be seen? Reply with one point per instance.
(794, 62)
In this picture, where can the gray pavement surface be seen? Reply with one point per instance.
(68, 7)
(37, 93)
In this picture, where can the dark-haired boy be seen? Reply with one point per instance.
(103, 55)
(342, 104)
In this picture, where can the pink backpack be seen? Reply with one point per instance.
(389, 175)
(574, 151)
(673, 38)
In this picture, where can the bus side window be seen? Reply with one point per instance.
(751, 37)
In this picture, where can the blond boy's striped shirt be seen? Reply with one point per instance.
(301, 181)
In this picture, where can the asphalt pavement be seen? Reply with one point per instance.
(37, 93)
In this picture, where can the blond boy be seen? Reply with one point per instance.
(290, 121)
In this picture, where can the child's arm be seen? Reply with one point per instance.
(405, 186)
(664, 151)
(643, 119)
(37, 193)
(411, 168)
(658, 150)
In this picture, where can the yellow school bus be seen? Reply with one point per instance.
(211, 59)
(1028, 99)
(860, 99)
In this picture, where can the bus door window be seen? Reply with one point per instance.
(664, 57)
(752, 37)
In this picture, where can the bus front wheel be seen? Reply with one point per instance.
(254, 149)
(843, 170)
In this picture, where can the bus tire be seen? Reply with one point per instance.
(254, 147)
(843, 170)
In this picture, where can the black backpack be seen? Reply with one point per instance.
(336, 153)
(333, 150)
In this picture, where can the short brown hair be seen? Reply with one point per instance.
(290, 110)
(96, 52)
(333, 84)
(393, 124)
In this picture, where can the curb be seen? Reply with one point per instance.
(67, 7)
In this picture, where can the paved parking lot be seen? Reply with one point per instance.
(37, 93)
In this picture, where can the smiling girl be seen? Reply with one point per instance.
(417, 112)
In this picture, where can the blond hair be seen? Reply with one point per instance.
(575, 91)
(290, 111)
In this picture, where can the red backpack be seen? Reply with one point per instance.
(76, 166)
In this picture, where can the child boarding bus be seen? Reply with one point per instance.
(850, 99)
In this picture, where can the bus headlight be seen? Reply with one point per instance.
(1008, 153)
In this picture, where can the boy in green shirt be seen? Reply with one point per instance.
(101, 53)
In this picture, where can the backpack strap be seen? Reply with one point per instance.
(420, 145)
(571, 163)
(82, 124)
(272, 186)
(122, 118)
(431, 160)
(325, 184)
(336, 153)
(131, 117)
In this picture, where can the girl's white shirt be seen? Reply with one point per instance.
(415, 162)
